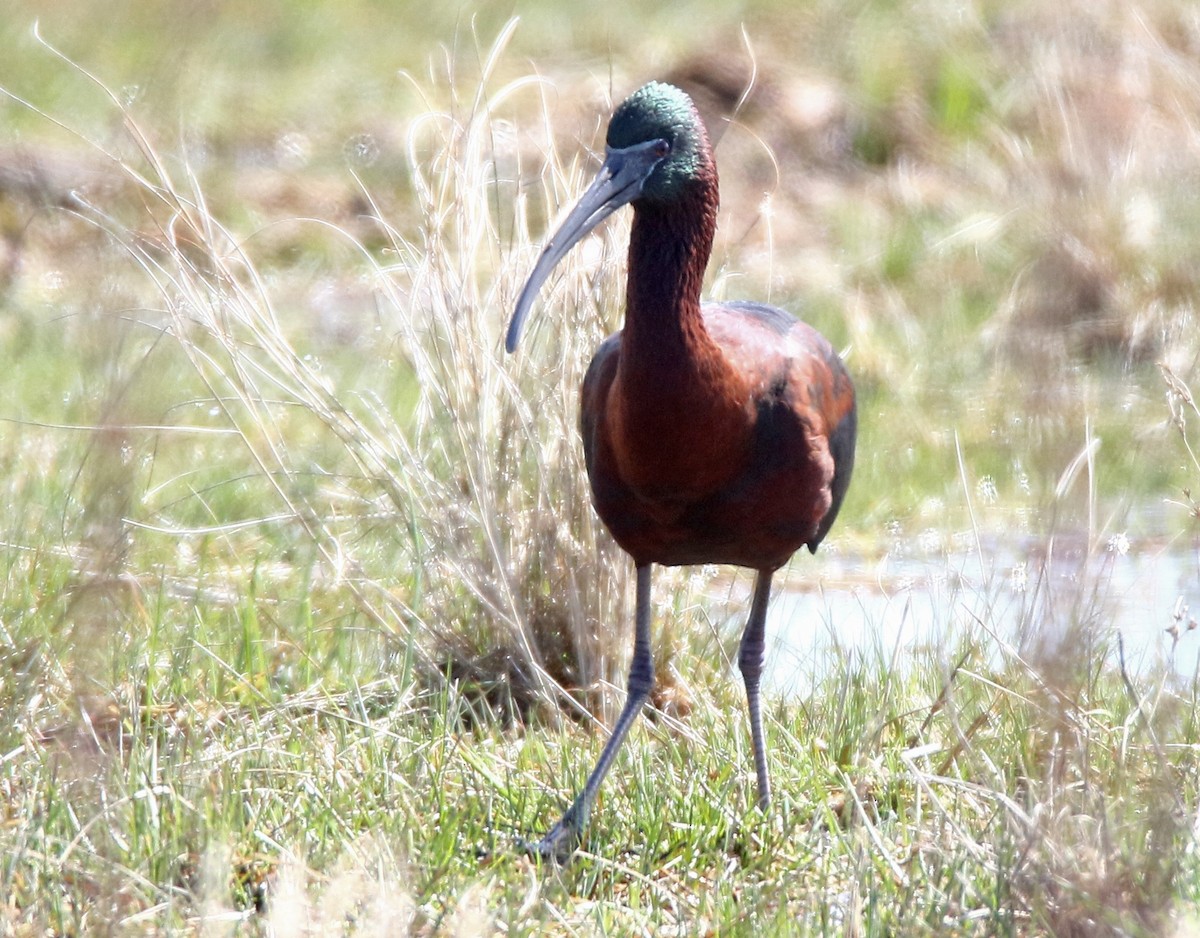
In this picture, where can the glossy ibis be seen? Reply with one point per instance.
(713, 433)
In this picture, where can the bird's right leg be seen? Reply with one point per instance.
(750, 660)
(562, 839)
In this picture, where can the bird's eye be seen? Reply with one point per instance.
(662, 148)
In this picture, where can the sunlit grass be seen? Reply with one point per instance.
(1008, 799)
(295, 565)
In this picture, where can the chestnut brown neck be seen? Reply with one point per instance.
(669, 248)
(681, 423)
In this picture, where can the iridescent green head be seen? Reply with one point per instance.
(659, 111)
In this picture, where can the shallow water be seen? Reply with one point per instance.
(1042, 594)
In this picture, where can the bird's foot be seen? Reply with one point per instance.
(559, 844)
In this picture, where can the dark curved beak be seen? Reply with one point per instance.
(619, 182)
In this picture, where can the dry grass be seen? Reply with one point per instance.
(501, 576)
(298, 547)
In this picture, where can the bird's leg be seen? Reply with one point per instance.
(750, 661)
(562, 839)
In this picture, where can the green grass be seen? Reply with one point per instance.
(304, 613)
(994, 800)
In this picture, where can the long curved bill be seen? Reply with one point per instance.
(619, 182)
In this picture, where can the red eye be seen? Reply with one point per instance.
(662, 149)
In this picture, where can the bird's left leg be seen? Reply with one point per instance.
(750, 661)
(562, 839)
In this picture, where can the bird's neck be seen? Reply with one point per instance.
(681, 421)
(669, 248)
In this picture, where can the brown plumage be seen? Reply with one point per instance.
(713, 433)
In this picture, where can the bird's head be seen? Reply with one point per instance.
(656, 147)
(663, 118)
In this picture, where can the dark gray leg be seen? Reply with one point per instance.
(750, 661)
(564, 837)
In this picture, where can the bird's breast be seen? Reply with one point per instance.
(673, 446)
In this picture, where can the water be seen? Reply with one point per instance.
(1040, 593)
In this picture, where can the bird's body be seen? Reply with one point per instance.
(743, 473)
(713, 433)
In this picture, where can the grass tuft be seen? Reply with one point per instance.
(297, 569)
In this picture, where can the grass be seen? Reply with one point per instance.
(305, 615)
(985, 800)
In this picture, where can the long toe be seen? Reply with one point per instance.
(557, 846)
